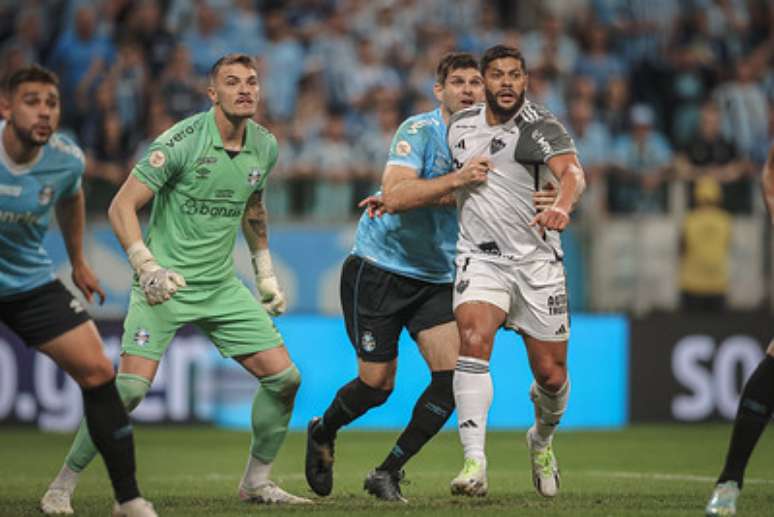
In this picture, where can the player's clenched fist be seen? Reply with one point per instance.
(272, 297)
(552, 218)
(158, 283)
(474, 171)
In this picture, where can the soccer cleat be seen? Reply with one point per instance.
(319, 462)
(385, 485)
(269, 493)
(56, 501)
(723, 500)
(545, 471)
(137, 507)
(471, 480)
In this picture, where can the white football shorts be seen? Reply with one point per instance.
(533, 295)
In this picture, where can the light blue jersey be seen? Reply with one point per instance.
(418, 243)
(27, 195)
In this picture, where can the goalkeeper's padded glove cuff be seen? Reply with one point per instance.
(141, 258)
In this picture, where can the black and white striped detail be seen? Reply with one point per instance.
(472, 365)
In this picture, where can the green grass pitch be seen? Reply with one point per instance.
(643, 470)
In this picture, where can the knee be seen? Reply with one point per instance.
(551, 376)
(283, 385)
(474, 343)
(95, 373)
(132, 389)
(384, 381)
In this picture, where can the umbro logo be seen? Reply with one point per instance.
(496, 145)
(76, 306)
(468, 423)
(561, 330)
(460, 144)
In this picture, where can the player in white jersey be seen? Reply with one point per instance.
(509, 261)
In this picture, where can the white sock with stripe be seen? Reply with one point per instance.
(473, 394)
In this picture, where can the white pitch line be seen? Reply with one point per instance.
(658, 476)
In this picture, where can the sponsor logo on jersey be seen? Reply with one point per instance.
(206, 160)
(76, 306)
(254, 177)
(203, 173)
(141, 337)
(6, 216)
(368, 341)
(557, 304)
(541, 141)
(496, 145)
(224, 193)
(45, 194)
(10, 190)
(180, 135)
(419, 124)
(403, 148)
(208, 208)
(157, 159)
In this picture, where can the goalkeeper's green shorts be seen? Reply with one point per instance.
(228, 314)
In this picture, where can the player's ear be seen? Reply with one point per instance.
(438, 92)
(212, 94)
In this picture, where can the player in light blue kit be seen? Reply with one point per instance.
(400, 274)
(40, 170)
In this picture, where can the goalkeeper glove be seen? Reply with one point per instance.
(157, 283)
(272, 298)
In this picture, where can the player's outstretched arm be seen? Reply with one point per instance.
(572, 183)
(158, 283)
(256, 231)
(767, 181)
(71, 215)
(403, 190)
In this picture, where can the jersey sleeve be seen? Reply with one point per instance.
(78, 168)
(270, 163)
(542, 140)
(408, 145)
(161, 161)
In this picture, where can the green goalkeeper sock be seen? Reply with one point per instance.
(131, 389)
(272, 407)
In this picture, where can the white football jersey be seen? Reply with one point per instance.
(494, 216)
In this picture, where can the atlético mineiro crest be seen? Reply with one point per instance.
(45, 194)
(254, 177)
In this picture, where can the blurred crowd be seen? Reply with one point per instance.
(655, 92)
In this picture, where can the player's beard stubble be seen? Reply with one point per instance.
(503, 114)
(27, 135)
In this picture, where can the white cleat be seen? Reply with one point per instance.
(137, 507)
(471, 480)
(269, 493)
(56, 501)
(545, 471)
(723, 500)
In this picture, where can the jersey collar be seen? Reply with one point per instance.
(510, 123)
(217, 141)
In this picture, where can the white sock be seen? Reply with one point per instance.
(256, 472)
(67, 479)
(473, 393)
(549, 410)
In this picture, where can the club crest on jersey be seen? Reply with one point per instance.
(368, 341)
(496, 145)
(157, 159)
(141, 337)
(45, 194)
(254, 177)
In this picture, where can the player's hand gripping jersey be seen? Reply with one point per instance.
(494, 216)
(200, 195)
(27, 194)
(418, 243)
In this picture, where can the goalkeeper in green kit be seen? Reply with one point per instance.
(206, 176)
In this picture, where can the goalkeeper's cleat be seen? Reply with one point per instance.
(471, 480)
(545, 471)
(723, 500)
(56, 501)
(269, 493)
(385, 485)
(319, 461)
(137, 507)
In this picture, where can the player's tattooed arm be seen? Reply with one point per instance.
(256, 231)
(71, 215)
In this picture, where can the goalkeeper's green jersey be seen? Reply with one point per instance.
(200, 194)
